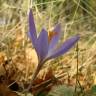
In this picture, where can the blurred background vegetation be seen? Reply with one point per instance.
(75, 17)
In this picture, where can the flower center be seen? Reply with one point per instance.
(51, 34)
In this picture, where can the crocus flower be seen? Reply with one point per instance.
(46, 47)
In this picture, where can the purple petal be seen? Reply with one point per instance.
(42, 45)
(57, 28)
(32, 29)
(55, 38)
(64, 48)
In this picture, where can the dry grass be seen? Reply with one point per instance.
(16, 45)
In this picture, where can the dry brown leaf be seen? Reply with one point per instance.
(5, 91)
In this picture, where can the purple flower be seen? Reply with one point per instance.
(46, 45)
(47, 49)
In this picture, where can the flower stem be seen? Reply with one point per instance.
(35, 74)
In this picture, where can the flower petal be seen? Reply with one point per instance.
(64, 48)
(42, 45)
(32, 30)
(55, 38)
